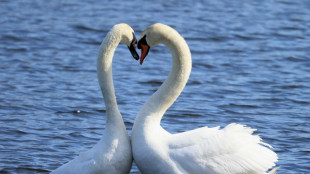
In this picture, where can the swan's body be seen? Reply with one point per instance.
(112, 154)
(230, 150)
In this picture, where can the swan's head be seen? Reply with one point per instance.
(152, 36)
(128, 37)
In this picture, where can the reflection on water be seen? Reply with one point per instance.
(250, 65)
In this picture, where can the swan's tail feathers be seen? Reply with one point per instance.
(274, 170)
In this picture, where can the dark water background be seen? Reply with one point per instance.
(251, 65)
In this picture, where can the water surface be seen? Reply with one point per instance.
(250, 65)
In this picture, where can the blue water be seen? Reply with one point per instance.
(251, 65)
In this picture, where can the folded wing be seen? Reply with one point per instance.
(233, 149)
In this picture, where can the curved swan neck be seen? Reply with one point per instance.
(104, 72)
(169, 91)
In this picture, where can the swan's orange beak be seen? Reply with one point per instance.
(133, 51)
(144, 51)
(132, 48)
(142, 44)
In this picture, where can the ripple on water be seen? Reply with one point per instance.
(250, 66)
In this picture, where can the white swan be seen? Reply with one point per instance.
(112, 154)
(232, 149)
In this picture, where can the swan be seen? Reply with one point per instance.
(112, 154)
(206, 150)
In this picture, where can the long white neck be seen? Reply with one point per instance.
(163, 98)
(104, 71)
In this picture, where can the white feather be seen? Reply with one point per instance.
(231, 150)
(112, 154)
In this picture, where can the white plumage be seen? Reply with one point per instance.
(231, 150)
(112, 154)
